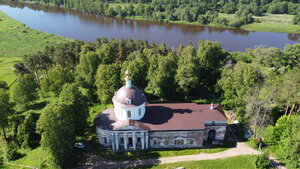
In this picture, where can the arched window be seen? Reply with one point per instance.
(128, 113)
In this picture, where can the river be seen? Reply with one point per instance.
(87, 27)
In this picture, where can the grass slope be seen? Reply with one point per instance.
(239, 162)
(17, 40)
(35, 158)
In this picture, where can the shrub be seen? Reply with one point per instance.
(253, 143)
(236, 23)
(262, 161)
(11, 151)
(296, 19)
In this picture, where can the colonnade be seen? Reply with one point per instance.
(129, 140)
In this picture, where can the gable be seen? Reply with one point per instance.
(128, 127)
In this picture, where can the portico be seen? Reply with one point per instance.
(129, 140)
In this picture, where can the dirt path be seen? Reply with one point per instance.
(19, 165)
(240, 149)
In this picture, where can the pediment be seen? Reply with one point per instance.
(129, 127)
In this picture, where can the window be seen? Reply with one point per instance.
(213, 123)
(128, 113)
(166, 142)
(154, 142)
(139, 140)
(104, 140)
(122, 140)
(139, 111)
(178, 142)
(191, 142)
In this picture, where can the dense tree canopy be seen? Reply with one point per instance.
(5, 110)
(107, 81)
(28, 138)
(56, 78)
(70, 94)
(24, 90)
(56, 127)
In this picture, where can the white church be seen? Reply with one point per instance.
(133, 124)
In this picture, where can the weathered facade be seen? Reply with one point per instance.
(134, 125)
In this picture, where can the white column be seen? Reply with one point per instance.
(134, 140)
(113, 141)
(143, 140)
(117, 141)
(147, 140)
(125, 141)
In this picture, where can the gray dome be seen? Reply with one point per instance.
(130, 96)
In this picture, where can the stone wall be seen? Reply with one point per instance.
(220, 132)
(157, 139)
(176, 139)
(104, 137)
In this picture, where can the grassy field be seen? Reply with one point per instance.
(33, 158)
(17, 40)
(6, 166)
(149, 154)
(239, 162)
(269, 23)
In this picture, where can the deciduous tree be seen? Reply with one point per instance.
(107, 81)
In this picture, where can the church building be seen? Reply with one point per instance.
(133, 124)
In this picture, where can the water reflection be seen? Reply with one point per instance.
(86, 26)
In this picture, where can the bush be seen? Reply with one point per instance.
(296, 19)
(236, 23)
(262, 161)
(11, 151)
(253, 143)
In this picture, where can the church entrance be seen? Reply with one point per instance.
(130, 144)
(212, 135)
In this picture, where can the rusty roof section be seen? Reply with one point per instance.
(171, 116)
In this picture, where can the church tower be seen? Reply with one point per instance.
(129, 101)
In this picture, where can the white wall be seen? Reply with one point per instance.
(122, 112)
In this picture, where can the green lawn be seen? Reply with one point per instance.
(239, 162)
(269, 23)
(273, 27)
(17, 40)
(148, 154)
(33, 158)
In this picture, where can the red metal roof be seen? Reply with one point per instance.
(170, 116)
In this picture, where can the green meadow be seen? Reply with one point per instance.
(17, 40)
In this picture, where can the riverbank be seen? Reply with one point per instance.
(280, 23)
(17, 40)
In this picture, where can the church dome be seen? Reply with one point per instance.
(130, 96)
(129, 101)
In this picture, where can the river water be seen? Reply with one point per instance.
(87, 27)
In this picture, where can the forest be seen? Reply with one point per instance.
(188, 11)
(49, 103)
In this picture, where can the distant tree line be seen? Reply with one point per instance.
(49, 100)
(203, 12)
